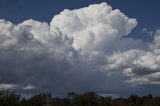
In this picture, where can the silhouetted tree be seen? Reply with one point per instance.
(8, 98)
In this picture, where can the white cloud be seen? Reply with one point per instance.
(140, 66)
(29, 87)
(94, 26)
(4, 86)
(82, 49)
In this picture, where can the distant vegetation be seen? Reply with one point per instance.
(8, 98)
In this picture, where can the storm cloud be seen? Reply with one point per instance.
(85, 49)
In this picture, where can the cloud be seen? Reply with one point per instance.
(141, 66)
(157, 37)
(7, 86)
(81, 50)
(146, 31)
(94, 26)
(28, 87)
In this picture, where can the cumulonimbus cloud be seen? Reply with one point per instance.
(82, 49)
(94, 26)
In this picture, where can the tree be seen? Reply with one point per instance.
(9, 98)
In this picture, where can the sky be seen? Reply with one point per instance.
(107, 46)
(146, 12)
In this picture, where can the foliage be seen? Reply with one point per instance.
(9, 98)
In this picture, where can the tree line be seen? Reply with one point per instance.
(9, 98)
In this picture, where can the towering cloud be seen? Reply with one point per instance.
(83, 49)
(94, 26)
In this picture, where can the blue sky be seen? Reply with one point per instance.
(146, 12)
(93, 48)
